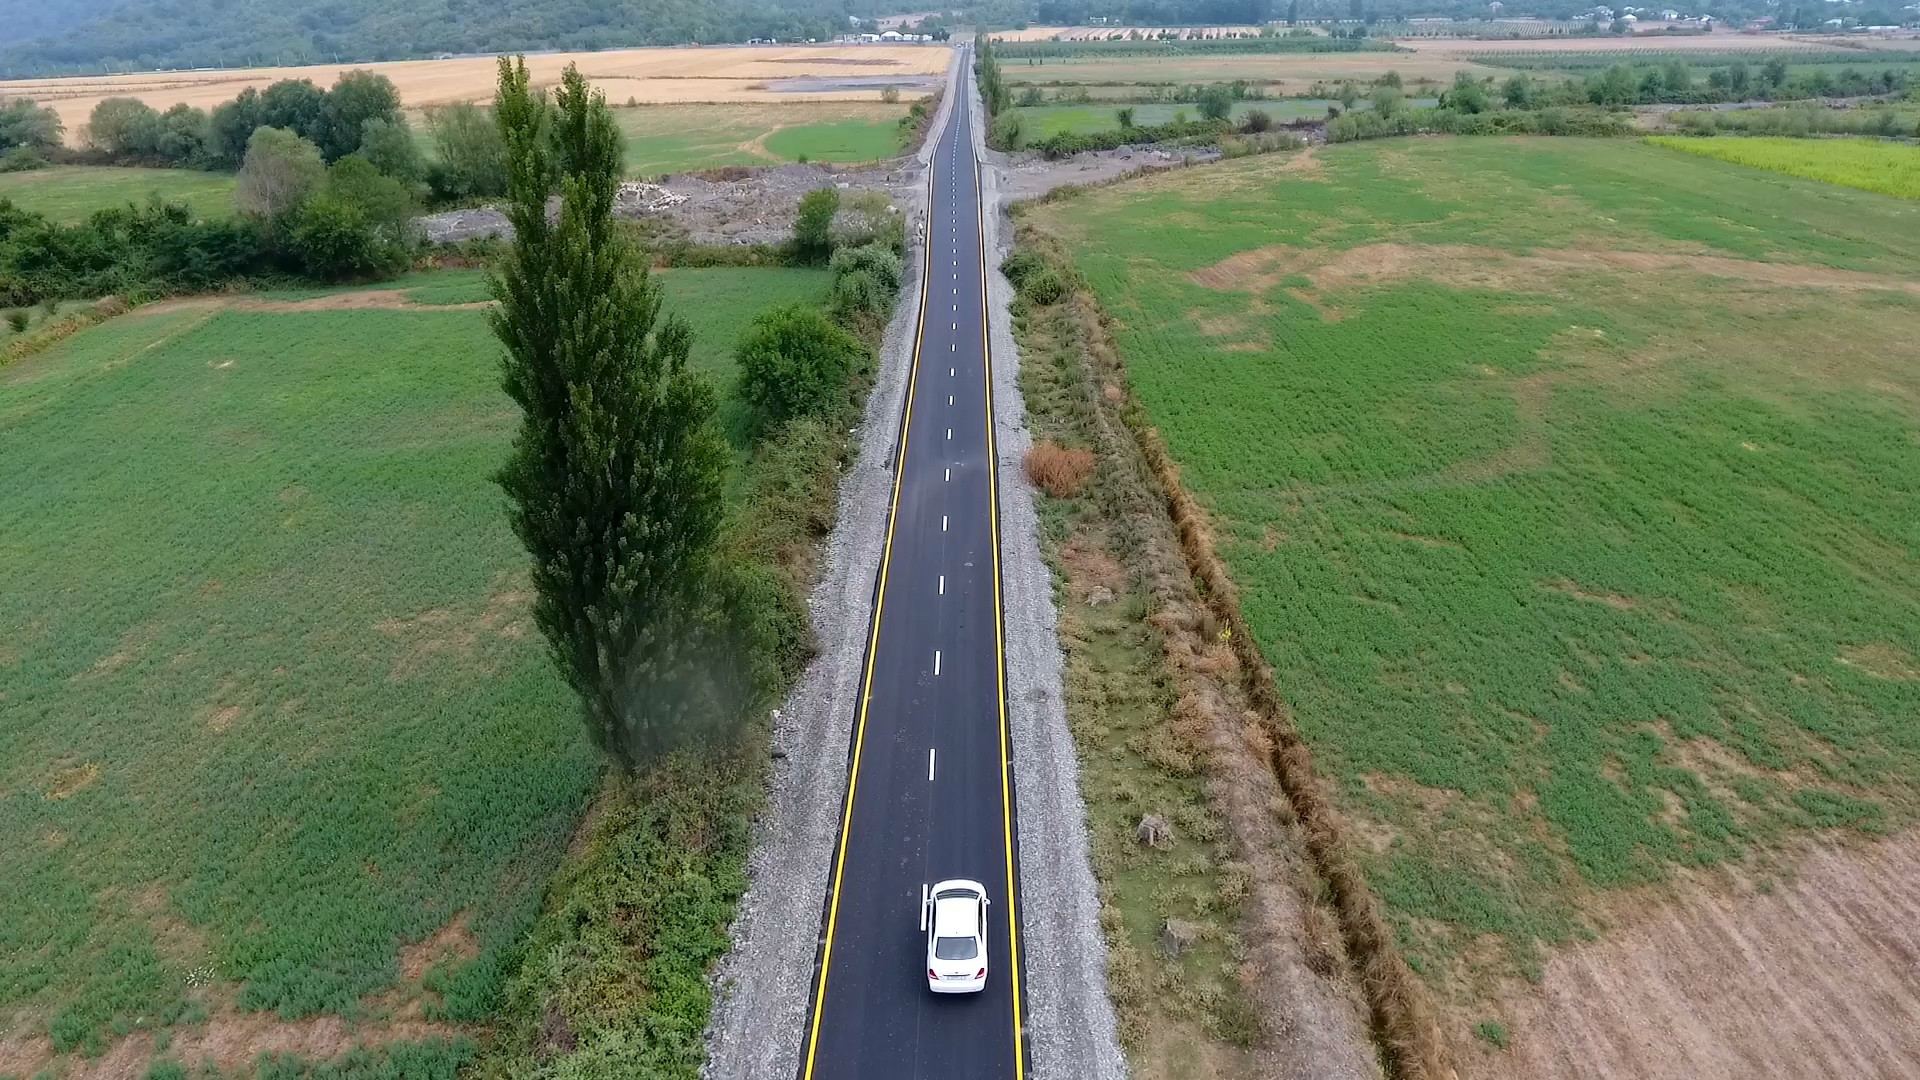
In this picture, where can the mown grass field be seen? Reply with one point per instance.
(69, 193)
(1881, 165)
(1570, 487)
(683, 138)
(276, 713)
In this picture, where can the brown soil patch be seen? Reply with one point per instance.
(1305, 163)
(452, 942)
(442, 633)
(221, 720)
(1734, 978)
(1882, 660)
(1262, 269)
(70, 782)
(1613, 600)
(230, 1040)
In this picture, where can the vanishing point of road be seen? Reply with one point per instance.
(930, 794)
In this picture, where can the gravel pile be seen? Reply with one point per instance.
(756, 208)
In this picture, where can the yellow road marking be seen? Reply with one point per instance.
(873, 644)
(999, 636)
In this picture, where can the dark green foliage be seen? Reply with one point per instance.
(1468, 95)
(128, 131)
(296, 105)
(435, 1060)
(813, 225)
(866, 280)
(794, 362)
(21, 159)
(1215, 103)
(1043, 286)
(22, 123)
(1553, 121)
(617, 473)
(1494, 1032)
(129, 251)
(17, 319)
(1256, 121)
(619, 960)
(1068, 143)
(387, 143)
(1124, 117)
(335, 240)
(356, 97)
(470, 158)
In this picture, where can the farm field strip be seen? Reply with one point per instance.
(281, 735)
(653, 75)
(69, 193)
(1568, 487)
(677, 138)
(1881, 165)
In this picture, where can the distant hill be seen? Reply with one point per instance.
(90, 36)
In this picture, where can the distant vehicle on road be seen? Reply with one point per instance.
(953, 915)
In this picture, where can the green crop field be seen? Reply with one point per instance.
(1289, 73)
(275, 710)
(681, 138)
(1570, 487)
(68, 193)
(1882, 165)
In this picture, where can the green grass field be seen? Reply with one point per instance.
(1570, 488)
(275, 708)
(68, 193)
(1881, 165)
(682, 138)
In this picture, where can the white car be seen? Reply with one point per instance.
(953, 915)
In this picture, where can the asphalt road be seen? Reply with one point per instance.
(930, 795)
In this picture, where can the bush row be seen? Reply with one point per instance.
(1067, 143)
(1353, 126)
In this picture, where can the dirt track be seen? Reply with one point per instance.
(1735, 979)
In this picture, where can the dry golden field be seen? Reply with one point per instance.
(651, 76)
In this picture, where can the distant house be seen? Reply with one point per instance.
(1669, 14)
(891, 35)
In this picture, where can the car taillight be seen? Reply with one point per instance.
(981, 974)
(932, 974)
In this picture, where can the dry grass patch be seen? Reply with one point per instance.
(1058, 470)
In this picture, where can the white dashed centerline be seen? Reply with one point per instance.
(936, 661)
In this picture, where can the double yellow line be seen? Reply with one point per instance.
(879, 605)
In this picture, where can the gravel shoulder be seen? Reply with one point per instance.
(1071, 1029)
(763, 987)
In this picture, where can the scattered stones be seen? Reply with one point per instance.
(1154, 831)
(1177, 936)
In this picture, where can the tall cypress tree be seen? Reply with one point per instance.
(616, 475)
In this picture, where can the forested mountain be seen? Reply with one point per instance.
(82, 36)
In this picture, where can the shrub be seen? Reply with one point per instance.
(875, 259)
(281, 170)
(1256, 121)
(334, 241)
(794, 362)
(17, 319)
(1216, 102)
(813, 225)
(1043, 286)
(891, 95)
(1059, 471)
(1021, 263)
(470, 157)
(1125, 118)
(21, 159)
(858, 299)
(865, 218)
(388, 144)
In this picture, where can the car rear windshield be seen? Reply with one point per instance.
(955, 948)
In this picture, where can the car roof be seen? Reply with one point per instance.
(959, 883)
(957, 916)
